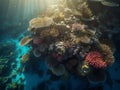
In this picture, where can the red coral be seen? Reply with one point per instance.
(95, 59)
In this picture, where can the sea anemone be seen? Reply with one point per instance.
(94, 59)
(24, 41)
(107, 54)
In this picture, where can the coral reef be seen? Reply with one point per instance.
(69, 35)
(61, 34)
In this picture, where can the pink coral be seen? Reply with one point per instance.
(94, 58)
(36, 40)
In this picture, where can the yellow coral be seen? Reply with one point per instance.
(25, 58)
(40, 22)
(83, 69)
(25, 40)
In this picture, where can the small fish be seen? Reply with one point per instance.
(110, 4)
